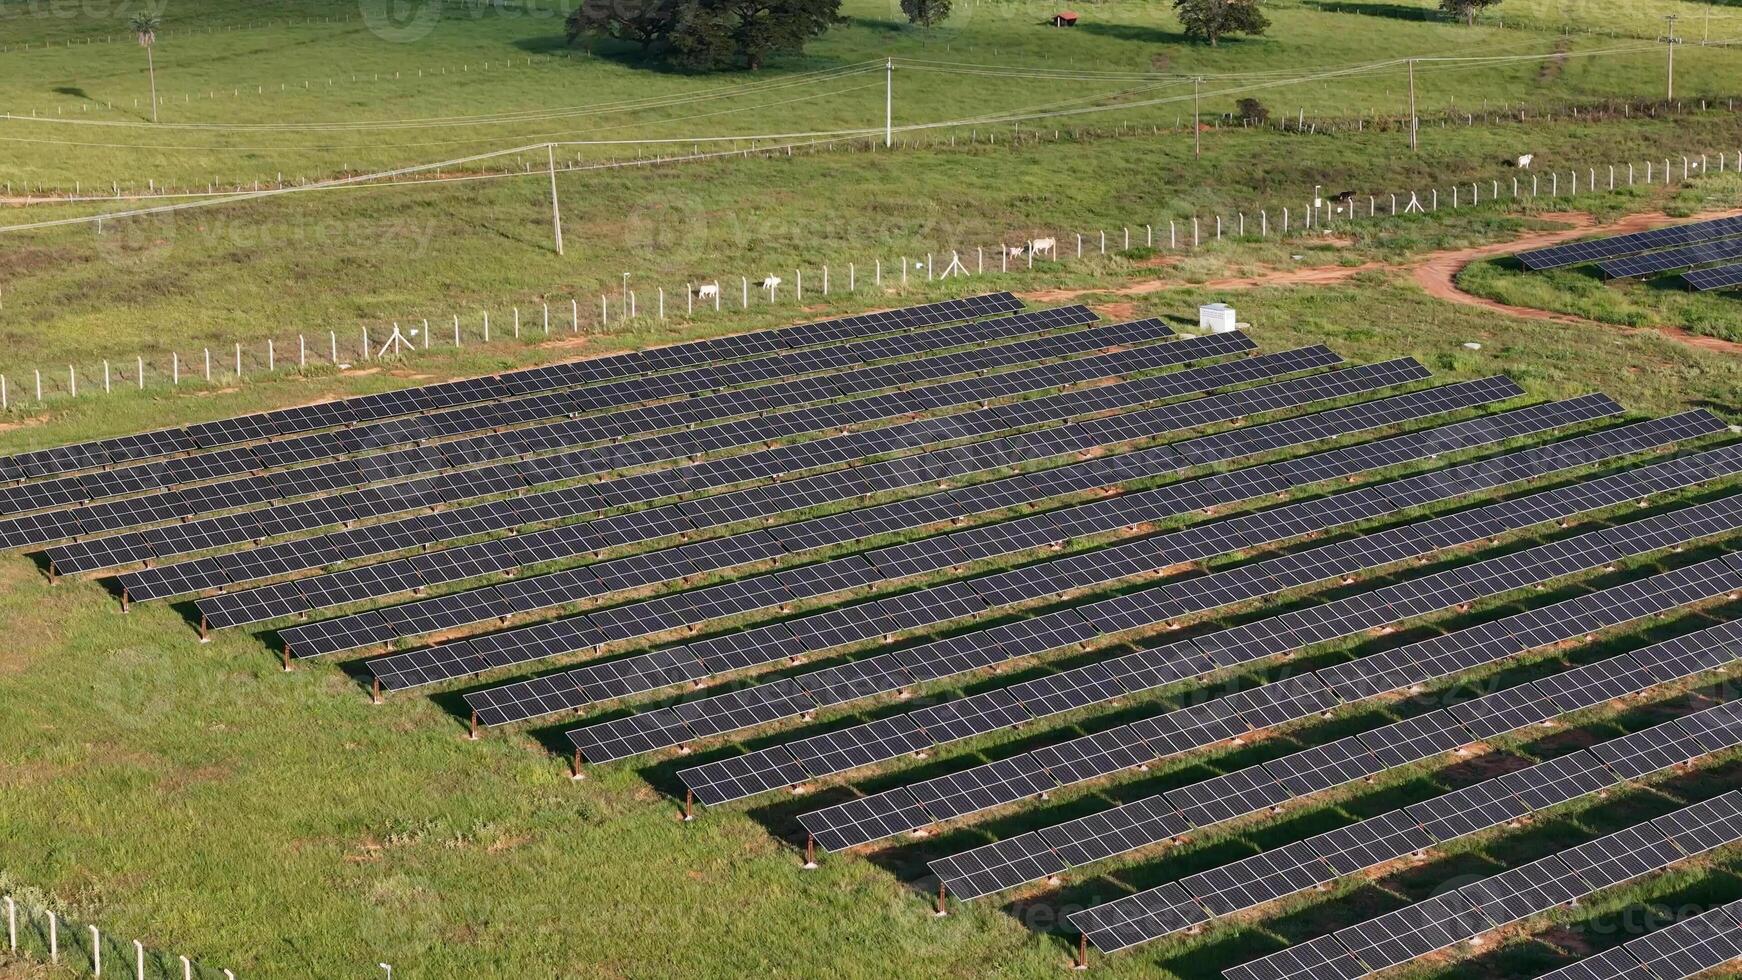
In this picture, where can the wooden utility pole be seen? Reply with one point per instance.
(1197, 127)
(556, 218)
(1670, 41)
(1414, 123)
(888, 102)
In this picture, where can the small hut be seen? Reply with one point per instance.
(1065, 18)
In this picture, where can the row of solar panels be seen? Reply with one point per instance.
(1445, 920)
(607, 680)
(543, 640)
(1617, 246)
(894, 671)
(294, 421)
(1676, 952)
(869, 818)
(954, 549)
(570, 450)
(1049, 850)
(986, 443)
(696, 403)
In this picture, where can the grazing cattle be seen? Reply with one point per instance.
(1015, 251)
(771, 283)
(708, 290)
(1043, 246)
(1345, 197)
(1523, 162)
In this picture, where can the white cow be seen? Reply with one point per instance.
(1043, 246)
(1015, 251)
(708, 290)
(771, 284)
(1524, 161)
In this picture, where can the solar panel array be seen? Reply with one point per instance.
(1259, 787)
(544, 640)
(514, 460)
(957, 548)
(1652, 263)
(1683, 949)
(1389, 836)
(1706, 280)
(602, 681)
(607, 740)
(714, 504)
(1616, 246)
(263, 426)
(1414, 931)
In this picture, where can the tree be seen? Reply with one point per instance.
(926, 13)
(708, 35)
(144, 27)
(1467, 9)
(1209, 20)
(1252, 111)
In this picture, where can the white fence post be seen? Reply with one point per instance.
(72, 381)
(486, 326)
(332, 346)
(546, 308)
(271, 356)
(138, 960)
(53, 937)
(174, 368)
(661, 307)
(96, 952)
(106, 388)
(456, 330)
(574, 317)
(11, 924)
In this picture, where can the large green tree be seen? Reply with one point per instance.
(1210, 20)
(926, 13)
(708, 35)
(1467, 9)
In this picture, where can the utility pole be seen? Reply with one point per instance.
(556, 218)
(1414, 123)
(888, 102)
(1670, 41)
(1197, 127)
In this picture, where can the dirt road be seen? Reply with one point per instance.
(1437, 274)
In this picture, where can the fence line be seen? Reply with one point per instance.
(46, 936)
(397, 340)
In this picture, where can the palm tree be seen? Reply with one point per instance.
(144, 27)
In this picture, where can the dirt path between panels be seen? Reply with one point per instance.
(1437, 274)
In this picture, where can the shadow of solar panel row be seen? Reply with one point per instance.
(1706, 280)
(1652, 263)
(698, 402)
(1352, 757)
(1409, 933)
(423, 666)
(686, 477)
(1683, 949)
(522, 700)
(1617, 246)
(1192, 657)
(1266, 785)
(543, 454)
(294, 421)
(916, 557)
(1186, 659)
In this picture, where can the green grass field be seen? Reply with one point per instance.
(199, 799)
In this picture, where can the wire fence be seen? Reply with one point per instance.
(636, 303)
(46, 936)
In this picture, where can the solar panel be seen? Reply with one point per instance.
(1622, 856)
(976, 714)
(1559, 780)
(1414, 931)
(1615, 963)
(1691, 946)
(1705, 825)
(1648, 751)
(1263, 877)
(1190, 727)
(1505, 711)
(631, 735)
(865, 819)
(861, 745)
(739, 776)
(1414, 739)
(1716, 728)
(1575, 253)
(1465, 811)
(1225, 797)
(1124, 828)
(1706, 280)
(1524, 891)
(982, 787)
(1323, 766)
(1139, 918)
(997, 866)
(1322, 958)
(1652, 263)
(1371, 842)
(1094, 755)
(1295, 697)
